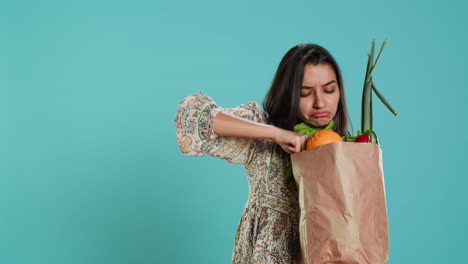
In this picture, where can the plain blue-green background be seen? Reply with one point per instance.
(91, 171)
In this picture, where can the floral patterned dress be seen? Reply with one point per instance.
(268, 229)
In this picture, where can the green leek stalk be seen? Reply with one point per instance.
(366, 111)
(369, 86)
(383, 99)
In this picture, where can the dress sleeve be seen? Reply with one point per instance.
(195, 134)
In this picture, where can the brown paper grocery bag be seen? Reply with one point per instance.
(343, 215)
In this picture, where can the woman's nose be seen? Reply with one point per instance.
(319, 103)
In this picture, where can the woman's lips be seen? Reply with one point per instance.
(320, 114)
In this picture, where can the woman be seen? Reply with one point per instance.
(307, 87)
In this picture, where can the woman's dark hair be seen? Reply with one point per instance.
(282, 100)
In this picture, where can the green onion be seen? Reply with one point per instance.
(366, 114)
(383, 99)
(369, 86)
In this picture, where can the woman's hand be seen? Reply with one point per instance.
(291, 142)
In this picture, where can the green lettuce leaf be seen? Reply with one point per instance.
(306, 129)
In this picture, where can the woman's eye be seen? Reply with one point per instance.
(304, 95)
(330, 91)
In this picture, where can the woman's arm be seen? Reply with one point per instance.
(232, 126)
(229, 125)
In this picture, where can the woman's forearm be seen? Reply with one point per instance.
(229, 125)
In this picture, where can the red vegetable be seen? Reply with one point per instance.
(363, 138)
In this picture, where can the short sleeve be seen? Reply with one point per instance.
(195, 134)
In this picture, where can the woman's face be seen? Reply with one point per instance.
(320, 94)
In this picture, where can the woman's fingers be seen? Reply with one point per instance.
(298, 147)
(288, 148)
(292, 142)
(294, 148)
(304, 142)
(300, 143)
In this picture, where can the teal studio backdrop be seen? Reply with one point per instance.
(91, 171)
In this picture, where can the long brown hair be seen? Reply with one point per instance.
(282, 100)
